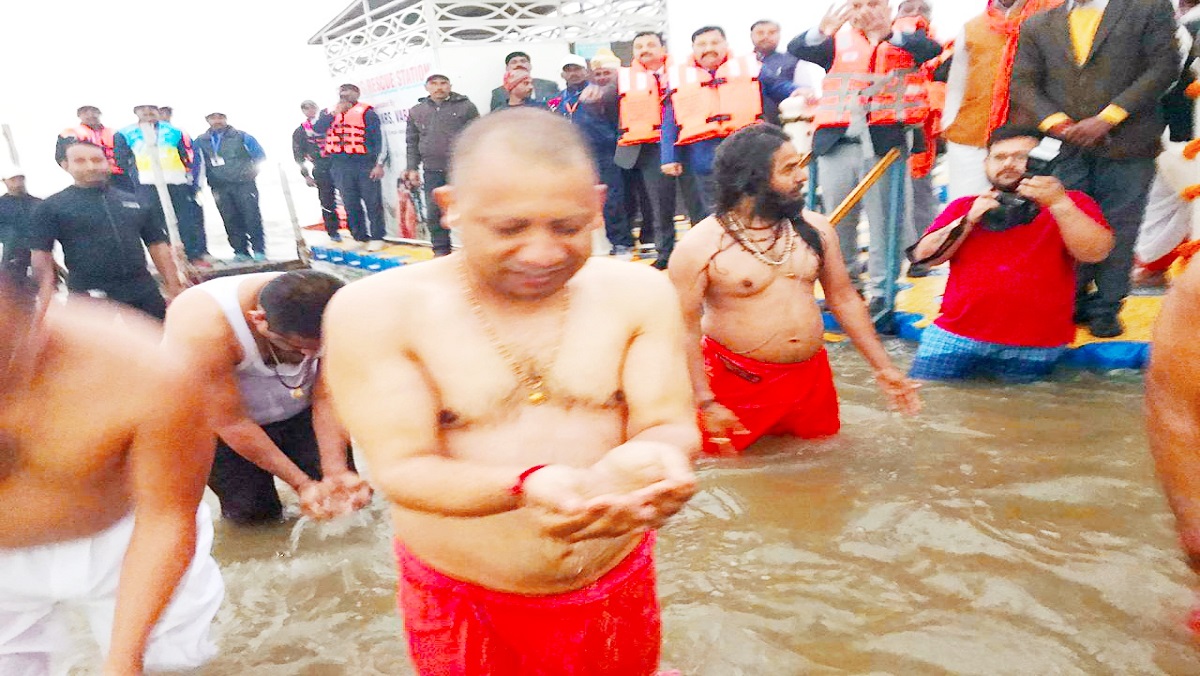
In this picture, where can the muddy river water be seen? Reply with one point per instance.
(1003, 531)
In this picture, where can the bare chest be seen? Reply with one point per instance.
(738, 272)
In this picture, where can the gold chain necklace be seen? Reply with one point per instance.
(738, 232)
(533, 381)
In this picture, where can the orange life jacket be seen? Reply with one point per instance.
(880, 79)
(641, 98)
(348, 133)
(103, 137)
(715, 107)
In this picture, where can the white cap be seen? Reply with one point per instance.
(575, 60)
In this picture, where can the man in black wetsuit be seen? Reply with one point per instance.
(102, 231)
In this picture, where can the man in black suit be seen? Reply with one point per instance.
(1093, 72)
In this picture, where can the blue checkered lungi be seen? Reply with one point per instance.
(949, 356)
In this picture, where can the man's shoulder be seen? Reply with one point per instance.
(128, 351)
(624, 281)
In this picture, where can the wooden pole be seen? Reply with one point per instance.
(302, 251)
(877, 172)
(168, 208)
(12, 145)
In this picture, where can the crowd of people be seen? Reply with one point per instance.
(532, 415)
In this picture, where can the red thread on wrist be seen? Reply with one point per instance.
(519, 487)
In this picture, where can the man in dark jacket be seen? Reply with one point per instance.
(230, 159)
(542, 89)
(1093, 73)
(780, 65)
(306, 149)
(16, 207)
(433, 124)
(105, 235)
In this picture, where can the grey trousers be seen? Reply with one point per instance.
(925, 205)
(839, 171)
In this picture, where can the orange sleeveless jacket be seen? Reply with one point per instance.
(715, 107)
(881, 79)
(105, 137)
(348, 133)
(641, 97)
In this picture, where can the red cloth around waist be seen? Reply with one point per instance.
(796, 399)
(610, 627)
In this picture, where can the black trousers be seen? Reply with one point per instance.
(432, 179)
(1120, 187)
(327, 194)
(140, 294)
(637, 204)
(238, 204)
(247, 492)
(361, 197)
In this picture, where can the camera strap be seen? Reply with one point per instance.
(956, 233)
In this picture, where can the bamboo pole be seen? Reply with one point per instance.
(12, 145)
(877, 172)
(302, 251)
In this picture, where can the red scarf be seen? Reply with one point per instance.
(1009, 23)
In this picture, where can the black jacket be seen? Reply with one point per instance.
(101, 230)
(16, 212)
(543, 90)
(1134, 61)
(227, 156)
(432, 128)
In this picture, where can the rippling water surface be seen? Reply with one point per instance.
(1004, 531)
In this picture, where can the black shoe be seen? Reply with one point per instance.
(1105, 326)
(1081, 317)
(659, 264)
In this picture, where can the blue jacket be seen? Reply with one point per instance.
(598, 121)
(174, 154)
(228, 156)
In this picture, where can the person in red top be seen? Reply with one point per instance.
(1007, 308)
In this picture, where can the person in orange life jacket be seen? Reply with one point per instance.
(925, 205)
(433, 124)
(1007, 308)
(230, 158)
(307, 148)
(354, 144)
(598, 121)
(693, 126)
(857, 38)
(639, 93)
(152, 138)
(90, 129)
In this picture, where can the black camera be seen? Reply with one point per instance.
(1014, 209)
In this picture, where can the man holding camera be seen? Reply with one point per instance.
(1007, 309)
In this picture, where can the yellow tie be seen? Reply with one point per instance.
(1085, 21)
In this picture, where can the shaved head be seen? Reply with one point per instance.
(524, 137)
(524, 199)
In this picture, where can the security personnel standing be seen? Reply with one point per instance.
(354, 144)
(230, 158)
(308, 148)
(16, 209)
(89, 129)
(871, 99)
(712, 95)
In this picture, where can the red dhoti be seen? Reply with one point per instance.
(781, 399)
(611, 627)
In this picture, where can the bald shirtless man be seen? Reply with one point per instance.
(746, 277)
(100, 483)
(255, 341)
(1173, 407)
(528, 415)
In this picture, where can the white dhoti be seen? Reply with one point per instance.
(35, 581)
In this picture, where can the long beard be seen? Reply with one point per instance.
(771, 206)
